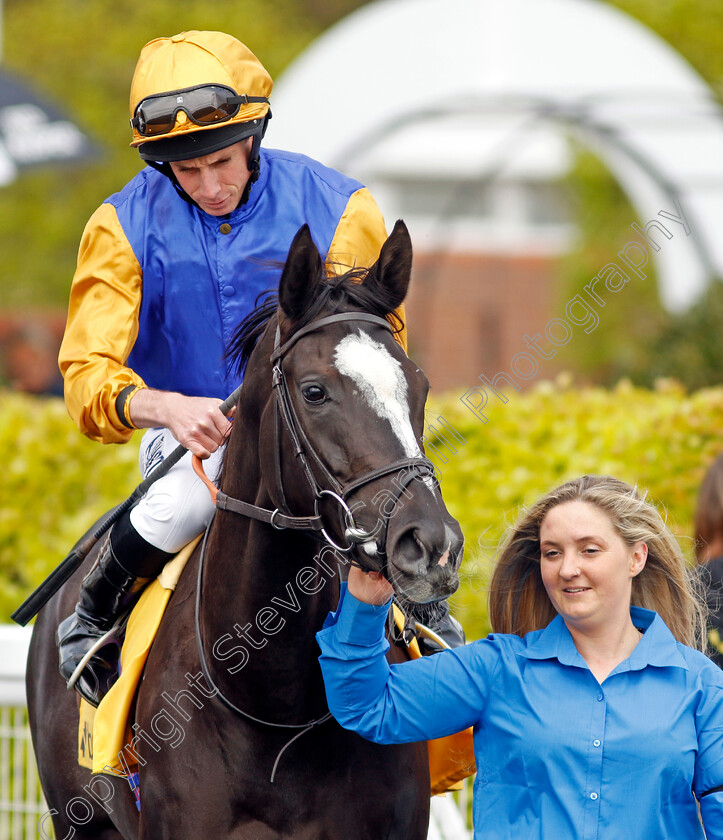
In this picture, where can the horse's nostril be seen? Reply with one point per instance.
(420, 551)
(414, 551)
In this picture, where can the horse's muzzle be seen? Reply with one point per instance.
(423, 558)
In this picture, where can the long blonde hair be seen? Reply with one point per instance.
(518, 600)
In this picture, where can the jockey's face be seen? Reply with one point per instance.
(216, 181)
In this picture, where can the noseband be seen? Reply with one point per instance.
(407, 469)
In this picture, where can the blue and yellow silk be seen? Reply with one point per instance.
(161, 285)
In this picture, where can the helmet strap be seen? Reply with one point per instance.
(254, 170)
(256, 146)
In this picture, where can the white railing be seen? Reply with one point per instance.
(447, 818)
(21, 798)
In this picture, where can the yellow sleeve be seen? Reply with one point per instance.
(105, 300)
(358, 239)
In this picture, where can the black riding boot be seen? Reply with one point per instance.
(439, 620)
(125, 564)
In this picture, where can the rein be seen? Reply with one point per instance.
(407, 469)
(304, 451)
(205, 670)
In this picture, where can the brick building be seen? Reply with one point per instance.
(458, 115)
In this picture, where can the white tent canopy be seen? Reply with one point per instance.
(476, 87)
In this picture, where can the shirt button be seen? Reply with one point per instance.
(225, 228)
(593, 795)
(596, 743)
(599, 697)
(228, 291)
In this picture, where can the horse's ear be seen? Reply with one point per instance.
(301, 275)
(389, 278)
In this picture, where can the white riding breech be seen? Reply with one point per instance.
(178, 506)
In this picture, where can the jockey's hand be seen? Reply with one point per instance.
(195, 422)
(370, 587)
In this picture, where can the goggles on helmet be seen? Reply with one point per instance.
(204, 105)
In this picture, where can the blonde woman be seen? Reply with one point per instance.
(594, 714)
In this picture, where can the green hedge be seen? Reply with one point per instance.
(56, 483)
(662, 440)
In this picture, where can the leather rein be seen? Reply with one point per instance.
(410, 468)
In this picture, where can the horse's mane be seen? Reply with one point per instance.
(250, 330)
(336, 292)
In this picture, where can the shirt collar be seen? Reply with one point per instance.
(657, 646)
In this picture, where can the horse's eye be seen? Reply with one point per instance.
(313, 394)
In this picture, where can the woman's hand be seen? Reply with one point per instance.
(369, 587)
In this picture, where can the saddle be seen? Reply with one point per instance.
(104, 734)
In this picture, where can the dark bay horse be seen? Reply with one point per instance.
(231, 723)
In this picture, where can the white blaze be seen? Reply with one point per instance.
(379, 379)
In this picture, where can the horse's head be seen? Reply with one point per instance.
(351, 403)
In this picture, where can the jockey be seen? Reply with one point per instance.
(168, 267)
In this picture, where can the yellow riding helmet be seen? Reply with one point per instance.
(173, 72)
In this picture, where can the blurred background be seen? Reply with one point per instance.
(559, 164)
(520, 140)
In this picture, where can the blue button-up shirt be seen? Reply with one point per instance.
(558, 755)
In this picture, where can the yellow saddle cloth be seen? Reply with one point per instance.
(104, 733)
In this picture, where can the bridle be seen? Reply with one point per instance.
(285, 413)
(286, 417)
